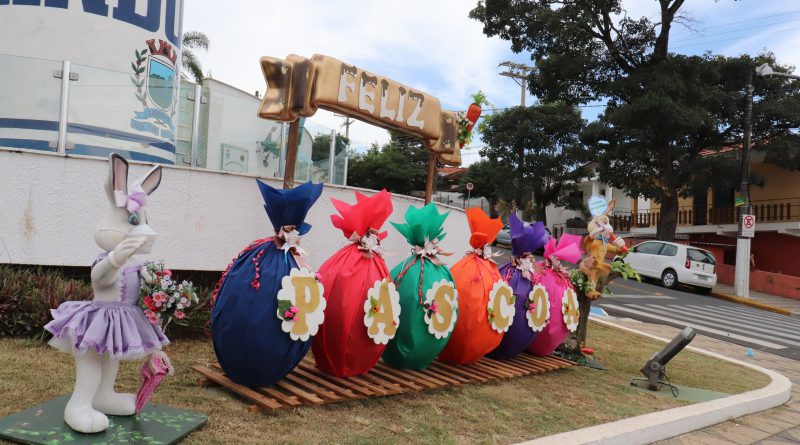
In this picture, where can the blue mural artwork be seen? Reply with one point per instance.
(160, 85)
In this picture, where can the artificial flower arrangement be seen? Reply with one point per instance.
(162, 298)
(287, 311)
(619, 267)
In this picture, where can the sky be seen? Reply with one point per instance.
(433, 46)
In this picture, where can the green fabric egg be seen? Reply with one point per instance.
(426, 321)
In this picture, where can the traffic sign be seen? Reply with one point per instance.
(470, 186)
(748, 226)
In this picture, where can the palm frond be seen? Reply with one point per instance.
(190, 63)
(195, 39)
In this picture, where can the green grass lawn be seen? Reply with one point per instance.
(500, 412)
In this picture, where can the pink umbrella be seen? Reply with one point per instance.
(153, 372)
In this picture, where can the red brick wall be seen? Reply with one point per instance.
(776, 256)
(772, 251)
(771, 283)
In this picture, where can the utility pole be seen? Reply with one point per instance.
(742, 271)
(517, 71)
(347, 121)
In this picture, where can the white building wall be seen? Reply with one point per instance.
(234, 126)
(560, 215)
(50, 205)
(104, 42)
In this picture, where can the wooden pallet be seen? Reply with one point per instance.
(307, 385)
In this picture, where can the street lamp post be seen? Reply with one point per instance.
(742, 279)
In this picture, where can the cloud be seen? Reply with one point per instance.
(432, 46)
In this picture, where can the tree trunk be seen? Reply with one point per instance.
(584, 306)
(492, 208)
(577, 340)
(668, 218)
(541, 213)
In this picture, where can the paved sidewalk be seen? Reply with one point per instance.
(779, 425)
(789, 304)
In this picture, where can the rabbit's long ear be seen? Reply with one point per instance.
(611, 205)
(117, 184)
(151, 180)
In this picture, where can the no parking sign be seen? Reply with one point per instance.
(748, 226)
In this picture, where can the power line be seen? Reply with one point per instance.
(734, 38)
(517, 71)
(736, 30)
(753, 19)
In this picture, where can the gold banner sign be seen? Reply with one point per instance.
(297, 87)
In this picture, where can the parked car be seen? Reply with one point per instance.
(674, 264)
(504, 238)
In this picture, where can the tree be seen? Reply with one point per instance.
(541, 145)
(657, 144)
(399, 166)
(663, 109)
(492, 180)
(193, 40)
(321, 146)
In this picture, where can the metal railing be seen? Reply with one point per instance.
(560, 229)
(64, 108)
(773, 210)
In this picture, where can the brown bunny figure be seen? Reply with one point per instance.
(597, 244)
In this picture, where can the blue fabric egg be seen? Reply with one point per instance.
(249, 342)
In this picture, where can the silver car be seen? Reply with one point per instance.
(504, 238)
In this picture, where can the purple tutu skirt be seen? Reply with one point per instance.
(119, 329)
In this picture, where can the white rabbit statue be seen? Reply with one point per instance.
(112, 327)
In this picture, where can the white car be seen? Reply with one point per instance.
(674, 263)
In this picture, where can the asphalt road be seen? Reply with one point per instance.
(747, 326)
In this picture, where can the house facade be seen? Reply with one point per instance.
(711, 222)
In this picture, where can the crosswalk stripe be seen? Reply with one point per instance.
(737, 325)
(786, 323)
(696, 326)
(745, 317)
(760, 312)
(651, 297)
(765, 315)
(780, 320)
(734, 326)
(749, 318)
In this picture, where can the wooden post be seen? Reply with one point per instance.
(585, 307)
(291, 154)
(431, 177)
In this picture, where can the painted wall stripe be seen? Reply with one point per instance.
(39, 124)
(82, 149)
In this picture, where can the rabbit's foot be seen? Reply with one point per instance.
(85, 419)
(115, 404)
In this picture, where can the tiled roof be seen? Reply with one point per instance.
(451, 173)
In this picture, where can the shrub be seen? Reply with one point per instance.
(27, 294)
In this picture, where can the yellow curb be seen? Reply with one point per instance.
(749, 302)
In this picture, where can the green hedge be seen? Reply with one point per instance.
(28, 293)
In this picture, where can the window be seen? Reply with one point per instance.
(700, 256)
(648, 248)
(669, 250)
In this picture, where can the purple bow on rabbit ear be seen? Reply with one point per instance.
(526, 237)
(117, 185)
(133, 201)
